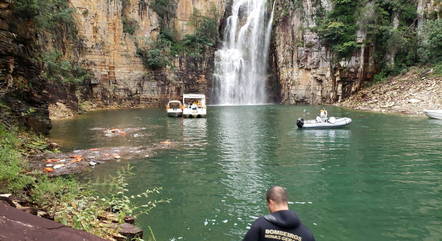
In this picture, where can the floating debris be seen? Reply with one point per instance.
(166, 142)
(56, 164)
(114, 132)
(52, 160)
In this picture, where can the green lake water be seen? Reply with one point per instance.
(379, 179)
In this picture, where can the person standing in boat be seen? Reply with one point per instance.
(281, 223)
(323, 116)
(194, 106)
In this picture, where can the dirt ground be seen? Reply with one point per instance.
(410, 93)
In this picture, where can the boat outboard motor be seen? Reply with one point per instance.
(300, 123)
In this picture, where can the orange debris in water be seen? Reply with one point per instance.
(48, 169)
(52, 160)
(76, 158)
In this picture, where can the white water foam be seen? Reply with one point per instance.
(241, 64)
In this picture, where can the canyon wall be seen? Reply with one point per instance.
(23, 95)
(111, 53)
(304, 69)
(307, 70)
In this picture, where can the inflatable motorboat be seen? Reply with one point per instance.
(321, 123)
(434, 114)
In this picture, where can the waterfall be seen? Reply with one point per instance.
(241, 63)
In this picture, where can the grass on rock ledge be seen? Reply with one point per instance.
(65, 199)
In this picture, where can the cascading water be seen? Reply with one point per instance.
(241, 63)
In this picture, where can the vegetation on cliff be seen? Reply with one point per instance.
(41, 48)
(54, 22)
(430, 46)
(167, 47)
(52, 15)
(390, 26)
(165, 10)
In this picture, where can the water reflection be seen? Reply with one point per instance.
(240, 138)
(330, 134)
(194, 132)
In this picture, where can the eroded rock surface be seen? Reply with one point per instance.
(410, 93)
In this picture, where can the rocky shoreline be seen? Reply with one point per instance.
(45, 197)
(409, 93)
(61, 111)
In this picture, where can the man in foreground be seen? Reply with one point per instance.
(281, 223)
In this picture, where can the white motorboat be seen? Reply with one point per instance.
(435, 114)
(320, 123)
(174, 108)
(194, 105)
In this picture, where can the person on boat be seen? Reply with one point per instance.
(281, 223)
(193, 106)
(323, 116)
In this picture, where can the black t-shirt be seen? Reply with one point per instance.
(282, 225)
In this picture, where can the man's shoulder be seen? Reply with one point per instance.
(261, 223)
(260, 220)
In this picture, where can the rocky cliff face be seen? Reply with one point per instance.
(308, 72)
(22, 92)
(305, 67)
(111, 53)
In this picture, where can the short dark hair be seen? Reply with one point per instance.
(277, 194)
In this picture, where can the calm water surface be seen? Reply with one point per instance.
(379, 179)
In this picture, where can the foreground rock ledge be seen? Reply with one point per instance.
(18, 225)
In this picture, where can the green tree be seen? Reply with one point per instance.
(337, 28)
(430, 48)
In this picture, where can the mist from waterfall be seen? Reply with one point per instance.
(241, 64)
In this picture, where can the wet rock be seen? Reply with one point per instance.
(129, 219)
(59, 111)
(53, 146)
(6, 198)
(129, 232)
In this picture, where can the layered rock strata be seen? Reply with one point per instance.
(111, 53)
(305, 68)
(307, 71)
